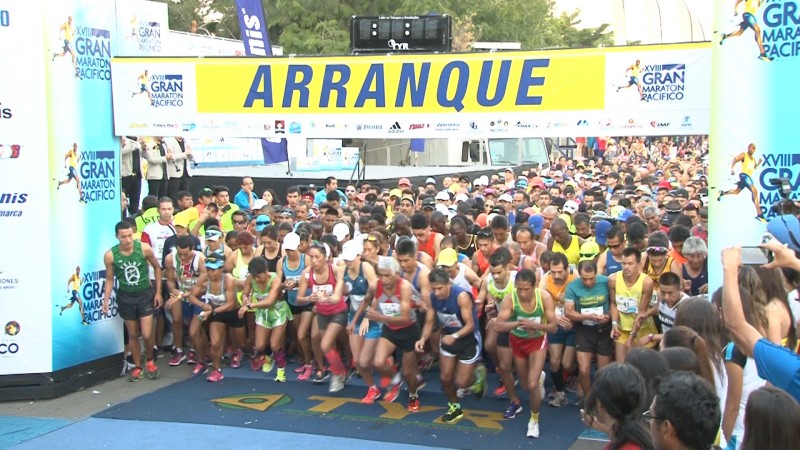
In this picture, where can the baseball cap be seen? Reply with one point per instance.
(505, 198)
(600, 230)
(447, 257)
(395, 193)
(205, 192)
(213, 234)
(589, 250)
(403, 181)
(341, 230)
(489, 191)
(664, 185)
(351, 249)
(287, 212)
(624, 215)
(181, 221)
(430, 180)
(522, 183)
(570, 207)
(429, 203)
(681, 193)
(362, 196)
(461, 198)
(785, 230)
(442, 195)
(558, 173)
(262, 221)
(644, 189)
(291, 241)
(536, 222)
(258, 204)
(215, 260)
(613, 175)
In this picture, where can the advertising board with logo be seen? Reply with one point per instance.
(83, 182)
(25, 344)
(142, 28)
(756, 158)
(595, 91)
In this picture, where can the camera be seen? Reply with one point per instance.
(784, 185)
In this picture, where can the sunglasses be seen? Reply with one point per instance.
(588, 255)
(262, 223)
(657, 250)
(239, 222)
(613, 246)
(484, 234)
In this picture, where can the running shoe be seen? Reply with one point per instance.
(269, 363)
(198, 369)
(533, 429)
(216, 375)
(257, 363)
(392, 392)
(501, 390)
(308, 371)
(385, 382)
(192, 358)
(84, 323)
(321, 376)
(453, 414)
(177, 357)
(513, 409)
(373, 393)
(337, 383)
(236, 361)
(413, 404)
(463, 392)
(299, 369)
(280, 376)
(481, 384)
(722, 39)
(764, 57)
(353, 372)
(560, 399)
(136, 374)
(152, 370)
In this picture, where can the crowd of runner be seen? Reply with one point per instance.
(591, 274)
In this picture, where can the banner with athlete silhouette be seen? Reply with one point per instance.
(756, 59)
(142, 28)
(80, 38)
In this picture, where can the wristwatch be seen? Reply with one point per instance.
(455, 335)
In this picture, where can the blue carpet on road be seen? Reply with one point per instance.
(14, 430)
(248, 399)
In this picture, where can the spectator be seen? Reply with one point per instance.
(771, 420)
(684, 414)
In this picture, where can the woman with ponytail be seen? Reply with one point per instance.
(615, 406)
(681, 336)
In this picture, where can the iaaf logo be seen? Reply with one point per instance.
(418, 126)
(655, 124)
(525, 125)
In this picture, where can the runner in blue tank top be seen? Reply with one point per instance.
(460, 346)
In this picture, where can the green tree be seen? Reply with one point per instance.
(321, 27)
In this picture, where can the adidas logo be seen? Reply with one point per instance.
(395, 128)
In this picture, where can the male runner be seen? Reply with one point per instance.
(749, 165)
(184, 265)
(67, 31)
(528, 314)
(128, 261)
(460, 347)
(73, 286)
(71, 159)
(633, 73)
(748, 21)
(142, 81)
(630, 291)
(562, 342)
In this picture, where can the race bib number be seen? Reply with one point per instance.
(560, 311)
(355, 302)
(390, 309)
(596, 310)
(448, 320)
(627, 305)
(324, 288)
(537, 319)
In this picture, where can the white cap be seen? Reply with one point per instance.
(442, 195)
(481, 181)
(258, 204)
(558, 173)
(461, 198)
(341, 230)
(442, 209)
(351, 250)
(505, 198)
(570, 207)
(291, 241)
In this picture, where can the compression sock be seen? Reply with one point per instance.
(280, 358)
(335, 363)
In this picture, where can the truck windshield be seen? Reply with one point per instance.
(505, 151)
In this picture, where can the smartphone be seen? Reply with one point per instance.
(754, 256)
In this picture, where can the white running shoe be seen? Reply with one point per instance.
(337, 383)
(533, 429)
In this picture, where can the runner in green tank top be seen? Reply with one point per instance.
(499, 285)
(127, 261)
(528, 314)
(262, 293)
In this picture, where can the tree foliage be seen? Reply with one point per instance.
(321, 27)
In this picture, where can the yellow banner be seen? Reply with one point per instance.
(465, 83)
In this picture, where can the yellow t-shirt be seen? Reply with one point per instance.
(75, 281)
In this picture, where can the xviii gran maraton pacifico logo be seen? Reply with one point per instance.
(147, 34)
(88, 48)
(775, 24)
(161, 90)
(98, 174)
(664, 82)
